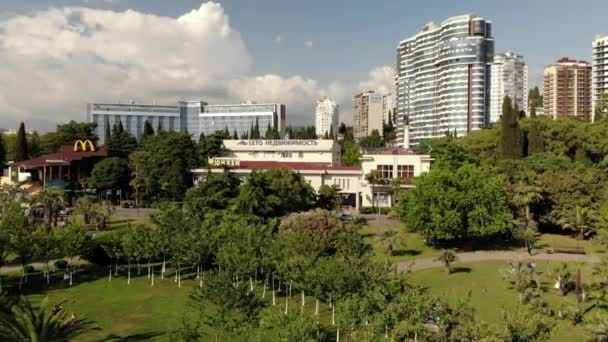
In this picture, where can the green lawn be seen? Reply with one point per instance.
(139, 311)
(409, 245)
(490, 295)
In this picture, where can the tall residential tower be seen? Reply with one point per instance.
(326, 117)
(509, 78)
(443, 78)
(567, 89)
(368, 114)
(600, 67)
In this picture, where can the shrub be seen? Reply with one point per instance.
(371, 210)
(127, 204)
(60, 264)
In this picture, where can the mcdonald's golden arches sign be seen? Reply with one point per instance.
(80, 145)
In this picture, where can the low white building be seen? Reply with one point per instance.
(318, 161)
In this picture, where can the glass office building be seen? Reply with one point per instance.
(443, 79)
(194, 117)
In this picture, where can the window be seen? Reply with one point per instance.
(285, 154)
(385, 171)
(405, 171)
(301, 155)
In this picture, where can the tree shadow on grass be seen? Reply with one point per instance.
(134, 337)
(403, 252)
(459, 269)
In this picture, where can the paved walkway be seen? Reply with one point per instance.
(465, 257)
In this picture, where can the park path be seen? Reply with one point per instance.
(465, 257)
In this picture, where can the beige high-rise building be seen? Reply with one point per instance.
(567, 89)
(368, 114)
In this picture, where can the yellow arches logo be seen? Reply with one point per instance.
(80, 145)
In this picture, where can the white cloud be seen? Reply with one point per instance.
(308, 43)
(278, 38)
(381, 79)
(55, 61)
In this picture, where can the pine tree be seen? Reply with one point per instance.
(244, 135)
(235, 135)
(159, 128)
(511, 138)
(120, 127)
(201, 137)
(107, 136)
(269, 133)
(148, 130)
(226, 133)
(257, 129)
(332, 134)
(2, 150)
(326, 136)
(251, 133)
(533, 111)
(535, 138)
(21, 151)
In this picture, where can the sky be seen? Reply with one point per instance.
(56, 56)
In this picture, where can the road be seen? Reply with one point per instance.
(465, 257)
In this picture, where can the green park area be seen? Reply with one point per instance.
(504, 239)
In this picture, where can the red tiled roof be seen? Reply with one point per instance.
(294, 166)
(64, 156)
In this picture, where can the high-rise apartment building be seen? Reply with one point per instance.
(443, 78)
(567, 89)
(194, 117)
(600, 67)
(509, 74)
(368, 114)
(326, 117)
(388, 106)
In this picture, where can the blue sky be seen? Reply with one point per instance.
(347, 39)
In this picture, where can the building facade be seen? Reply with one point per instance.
(194, 117)
(600, 68)
(388, 107)
(326, 117)
(317, 161)
(567, 89)
(443, 79)
(368, 114)
(509, 74)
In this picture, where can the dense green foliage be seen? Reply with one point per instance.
(67, 134)
(457, 204)
(511, 141)
(110, 174)
(162, 166)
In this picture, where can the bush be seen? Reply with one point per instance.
(371, 210)
(29, 269)
(127, 204)
(60, 264)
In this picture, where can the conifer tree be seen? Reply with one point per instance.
(257, 129)
(148, 130)
(2, 150)
(251, 133)
(159, 128)
(107, 136)
(511, 138)
(201, 137)
(235, 135)
(120, 127)
(332, 134)
(269, 133)
(21, 151)
(226, 133)
(536, 143)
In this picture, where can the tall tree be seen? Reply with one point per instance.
(67, 134)
(511, 139)
(536, 143)
(148, 130)
(121, 143)
(107, 134)
(235, 135)
(21, 151)
(2, 150)
(256, 129)
(268, 134)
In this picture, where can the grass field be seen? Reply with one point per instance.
(408, 246)
(489, 294)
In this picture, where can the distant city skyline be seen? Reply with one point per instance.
(55, 60)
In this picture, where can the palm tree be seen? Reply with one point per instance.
(19, 321)
(598, 329)
(372, 178)
(563, 277)
(447, 257)
(84, 206)
(525, 194)
(582, 222)
(390, 238)
(51, 199)
(101, 214)
(396, 187)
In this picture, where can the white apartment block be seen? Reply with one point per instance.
(509, 74)
(443, 79)
(326, 117)
(368, 114)
(600, 67)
